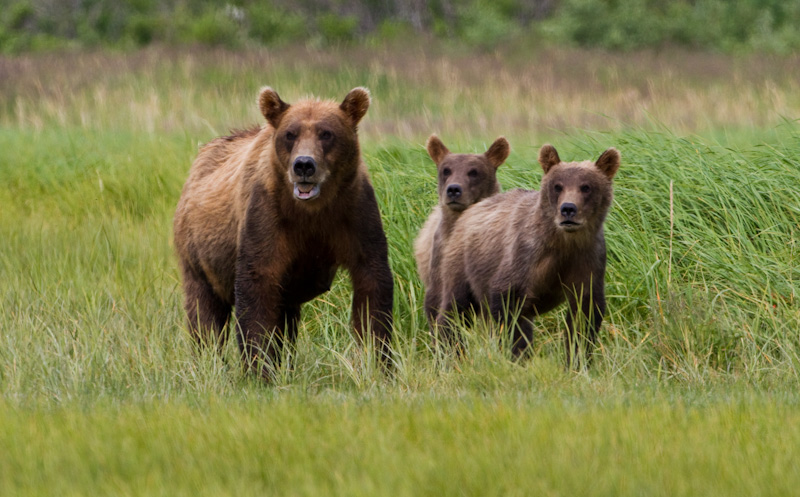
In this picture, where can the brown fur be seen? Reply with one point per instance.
(475, 177)
(517, 250)
(253, 232)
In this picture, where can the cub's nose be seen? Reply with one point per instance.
(305, 166)
(569, 210)
(454, 192)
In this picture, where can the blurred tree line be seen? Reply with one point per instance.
(723, 25)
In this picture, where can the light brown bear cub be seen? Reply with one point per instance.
(269, 214)
(530, 251)
(463, 179)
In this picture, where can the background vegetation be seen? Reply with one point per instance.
(694, 390)
(740, 26)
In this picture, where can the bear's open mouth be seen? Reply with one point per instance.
(306, 191)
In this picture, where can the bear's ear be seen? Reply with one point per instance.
(548, 157)
(498, 152)
(271, 105)
(436, 149)
(608, 162)
(355, 104)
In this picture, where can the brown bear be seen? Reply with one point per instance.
(463, 179)
(527, 251)
(267, 216)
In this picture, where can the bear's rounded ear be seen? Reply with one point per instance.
(548, 157)
(498, 152)
(608, 162)
(355, 104)
(271, 105)
(436, 149)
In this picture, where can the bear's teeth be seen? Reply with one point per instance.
(305, 191)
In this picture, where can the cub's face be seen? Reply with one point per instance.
(464, 179)
(577, 194)
(316, 141)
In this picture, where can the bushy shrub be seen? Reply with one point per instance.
(482, 24)
(215, 28)
(337, 29)
(271, 25)
(144, 29)
(709, 24)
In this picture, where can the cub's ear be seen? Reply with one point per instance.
(548, 157)
(608, 162)
(498, 152)
(271, 105)
(355, 104)
(436, 149)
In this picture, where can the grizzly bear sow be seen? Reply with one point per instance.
(529, 251)
(463, 179)
(268, 215)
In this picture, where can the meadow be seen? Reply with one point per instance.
(694, 388)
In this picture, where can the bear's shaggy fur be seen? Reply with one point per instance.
(463, 180)
(529, 251)
(268, 215)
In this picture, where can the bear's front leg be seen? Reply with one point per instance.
(515, 314)
(260, 320)
(454, 306)
(372, 306)
(587, 306)
(262, 314)
(373, 284)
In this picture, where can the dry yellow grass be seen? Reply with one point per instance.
(415, 91)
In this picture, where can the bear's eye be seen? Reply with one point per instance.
(325, 135)
(291, 136)
(585, 189)
(473, 173)
(557, 188)
(446, 172)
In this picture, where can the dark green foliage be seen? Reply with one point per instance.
(744, 25)
(270, 25)
(215, 28)
(335, 29)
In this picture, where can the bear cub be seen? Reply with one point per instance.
(528, 251)
(269, 214)
(463, 180)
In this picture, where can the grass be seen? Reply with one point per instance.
(695, 386)
(502, 445)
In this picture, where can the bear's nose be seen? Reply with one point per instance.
(305, 166)
(569, 210)
(454, 192)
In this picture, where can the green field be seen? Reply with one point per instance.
(694, 389)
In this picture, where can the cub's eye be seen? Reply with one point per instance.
(557, 188)
(291, 136)
(446, 172)
(325, 135)
(585, 189)
(473, 173)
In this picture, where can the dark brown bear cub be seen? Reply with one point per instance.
(530, 251)
(463, 179)
(268, 215)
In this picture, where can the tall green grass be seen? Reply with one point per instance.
(693, 389)
(702, 278)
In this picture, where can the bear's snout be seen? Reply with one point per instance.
(569, 210)
(304, 166)
(454, 192)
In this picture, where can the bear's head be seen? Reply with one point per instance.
(577, 195)
(465, 179)
(316, 142)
